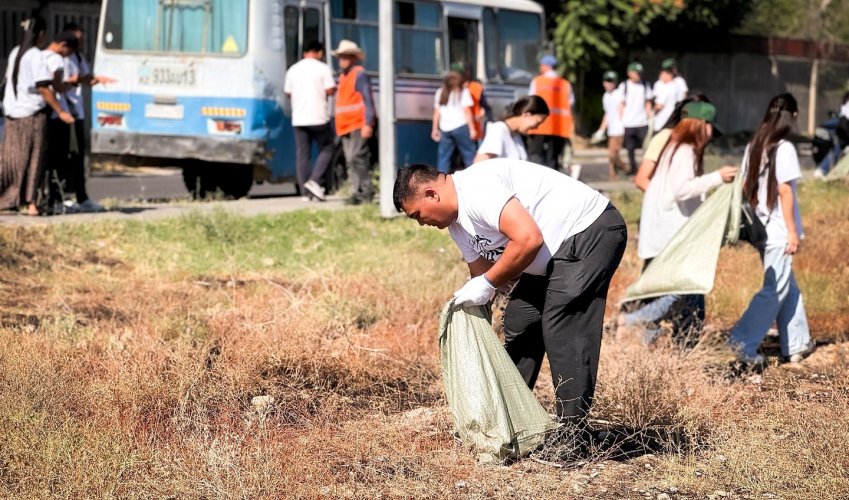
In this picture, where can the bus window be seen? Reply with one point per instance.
(490, 41)
(418, 38)
(291, 15)
(214, 26)
(463, 44)
(312, 26)
(518, 45)
(356, 21)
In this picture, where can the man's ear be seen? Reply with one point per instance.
(430, 193)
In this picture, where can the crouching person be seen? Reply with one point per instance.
(560, 238)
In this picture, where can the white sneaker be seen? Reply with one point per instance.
(757, 359)
(819, 174)
(91, 206)
(804, 353)
(314, 189)
(575, 171)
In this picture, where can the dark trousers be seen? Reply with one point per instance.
(65, 166)
(562, 314)
(23, 150)
(322, 135)
(634, 137)
(546, 150)
(358, 160)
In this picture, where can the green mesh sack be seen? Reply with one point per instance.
(493, 409)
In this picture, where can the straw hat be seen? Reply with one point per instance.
(347, 48)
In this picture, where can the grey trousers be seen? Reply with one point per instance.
(562, 314)
(358, 159)
(322, 135)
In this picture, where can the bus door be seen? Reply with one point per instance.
(463, 44)
(304, 23)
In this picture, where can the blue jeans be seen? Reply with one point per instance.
(457, 139)
(779, 300)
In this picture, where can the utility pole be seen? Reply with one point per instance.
(387, 108)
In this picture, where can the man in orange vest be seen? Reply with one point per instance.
(546, 142)
(480, 106)
(355, 119)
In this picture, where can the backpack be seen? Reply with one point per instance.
(751, 227)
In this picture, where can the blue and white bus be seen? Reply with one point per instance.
(200, 82)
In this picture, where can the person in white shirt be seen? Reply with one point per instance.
(504, 138)
(681, 88)
(676, 190)
(635, 110)
(665, 97)
(560, 238)
(453, 123)
(770, 171)
(309, 83)
(27, 99)
(611, 123)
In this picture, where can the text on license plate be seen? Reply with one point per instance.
(165, 111)
(183, 76)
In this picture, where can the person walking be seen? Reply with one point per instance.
(611, 124)
(480, 106)
(27, 99)
(770, 171)
(677, 189)
(504, 138)
(309, 83)
(355, 119)
(562, 239)
(453, 125)
(547, 142)
(635, 110)
(681, 88)
(665, 94)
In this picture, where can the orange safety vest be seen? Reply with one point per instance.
(555, 91)
(476, 90)
(350, 107)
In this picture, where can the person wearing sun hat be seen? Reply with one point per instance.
(676, 190)
(355, 119)
(547, 142)
(681, 88)
(611, 124)
(635, 110)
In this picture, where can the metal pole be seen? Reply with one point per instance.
(387, 108)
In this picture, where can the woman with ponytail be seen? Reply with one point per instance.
(27, 100)
(771, 168)
(504, 138)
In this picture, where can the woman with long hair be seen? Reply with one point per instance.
(676, 190)
(504, 138)
(453, 124)
(27, 99)
(771, 168)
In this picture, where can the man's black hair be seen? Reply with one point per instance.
(68, 38)
(314, 46)
(408, 181)
(71, 26)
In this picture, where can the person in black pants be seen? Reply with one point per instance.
(563, 248)
(636, 110)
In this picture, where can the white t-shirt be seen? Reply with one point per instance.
(681, 88)
(635, 95)
(561, 206)
(452, 116)
(610, 102)
(844, 110)
(75, 68)
(32, 70)
(787, 170)
(674, 193)
(665, 94)
(502, 143)
(306, 83)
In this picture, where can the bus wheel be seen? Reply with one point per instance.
(197, 179)
(205, 179)
(235, 181)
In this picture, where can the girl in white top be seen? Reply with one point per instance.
(453, 126)
(771, 168)
(503, 139)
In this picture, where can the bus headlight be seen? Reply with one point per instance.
(110, 120)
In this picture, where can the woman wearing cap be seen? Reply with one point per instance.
(453, 126)
(504, 138)
(770, 171)
(676, 190)
(635, 110)
(612, 123)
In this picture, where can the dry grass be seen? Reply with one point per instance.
(131, 354)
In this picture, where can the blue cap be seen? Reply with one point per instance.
(548, 61)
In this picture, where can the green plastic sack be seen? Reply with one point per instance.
(687, 265)
(493, 409)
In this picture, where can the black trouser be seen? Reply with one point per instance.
(562, 314)
(634, 137)
(322, 135)
(546, 149)
(64, 170)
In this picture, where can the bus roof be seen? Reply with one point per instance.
(523, 5)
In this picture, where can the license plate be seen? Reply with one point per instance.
(164, 111)
(175, 76)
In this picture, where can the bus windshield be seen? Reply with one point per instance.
(183, 26)
(518, 45)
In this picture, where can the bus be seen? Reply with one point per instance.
(199, 83)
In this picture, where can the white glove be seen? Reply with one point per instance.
(476, 292)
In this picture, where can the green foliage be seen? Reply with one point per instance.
(821, 20)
